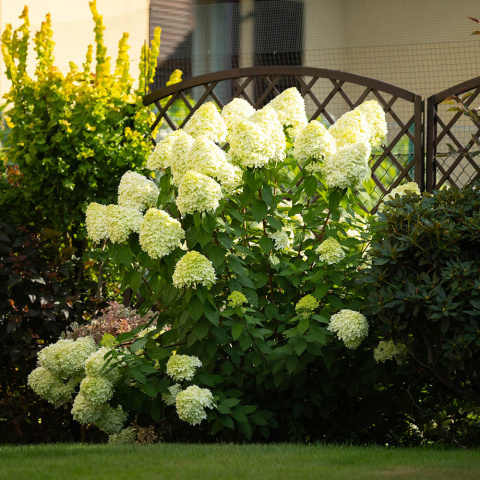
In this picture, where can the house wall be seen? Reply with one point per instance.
(72, 26)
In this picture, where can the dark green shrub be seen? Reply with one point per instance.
(426, 295)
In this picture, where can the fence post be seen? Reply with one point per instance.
(419, 160)
(431, 134)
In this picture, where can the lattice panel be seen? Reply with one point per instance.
(453, 141)
(328, 95)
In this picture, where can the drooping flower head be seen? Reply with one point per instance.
(290, 107)
(348, 167)
(388, 350)
(179, 158)
(198, 193)
(351, 127)
(111, 420)
(192, 269)
(191, 404)
(122, 221)
(66, 358)
(330, 251)
(161, 155)
(306, 305)
(136, 191)
(207, 121)
(96, 220)
(50, 387)
(376, 119)
(236, 299)
(84, 411)
(160, 234)
(350, 326)
(169, 398)
(314, 143)
(95, 366)
(127, 436)
(182, 367)
(267, 118)
(251, 145)
(96, 390)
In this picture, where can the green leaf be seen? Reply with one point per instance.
(334, 199)
(227, 421)
(298, 208)
(149, 390)
(292, 363)
(201, 328)
(235, 214)
(195, 308)
(133, 279)
(300, 346)
(321, 291)
(138, 344)
(246, 429)
(258, 420)
(237, 330)
(274, 222)
(267, 194)
(211, 313)
(303, 326)
(266, 244)
(217, 256)
(310, 185)
(259, 209)
(230, 402)
(158, 353)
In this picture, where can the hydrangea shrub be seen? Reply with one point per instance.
(254, 271)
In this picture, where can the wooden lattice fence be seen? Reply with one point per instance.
(328, 94)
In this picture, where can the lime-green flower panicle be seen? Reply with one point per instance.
(160, 234)
(192, 269)
(350, 326)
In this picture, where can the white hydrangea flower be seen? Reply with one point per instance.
(160, 234)
(111, 420)
(127, 436)
(136, 191)
(84, 411)
(50, 387)
(314, 143)
(267, 118)
(350, 326)
(348, 166)
(207, 121)
(351, 127)
(179, 158)
(182, 367)
(290, 107)
(191, 402)
(169, 398)
(388, 350)
(208, 158)
(281, 238)
(234, 111)
(306, 306)
(410, 187)
(95, 363)
(192, 269)
(231, 178)
(66, 358)
(376, 119)
(238, 106)
(122, 221)
(330, 251)
(160, 158)
(251, 145)
(96, 220)
(197, 192)
(96, 390)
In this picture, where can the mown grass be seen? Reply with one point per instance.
(224, 462)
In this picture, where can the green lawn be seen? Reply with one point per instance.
(223, 462)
